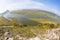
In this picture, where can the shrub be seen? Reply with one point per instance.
(51, 25)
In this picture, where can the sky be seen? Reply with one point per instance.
(49, 5)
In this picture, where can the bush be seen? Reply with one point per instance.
(51, 25)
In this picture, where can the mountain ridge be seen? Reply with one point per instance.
(23, 16)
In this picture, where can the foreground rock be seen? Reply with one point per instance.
(51, 34)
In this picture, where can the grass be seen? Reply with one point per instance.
(42, 21)
(29, 31)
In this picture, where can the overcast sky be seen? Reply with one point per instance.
(50, 5)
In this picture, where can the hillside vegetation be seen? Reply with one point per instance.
(23, 29)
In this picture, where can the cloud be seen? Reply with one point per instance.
(20, 4)
(24, 4)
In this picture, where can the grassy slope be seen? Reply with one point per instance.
(29, 31)
(42, 20)
(3, 21)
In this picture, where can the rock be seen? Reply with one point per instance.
(50, 34)
(36, 38)
(10, 39)
(6, 33)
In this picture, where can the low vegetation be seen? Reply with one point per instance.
(26, 30)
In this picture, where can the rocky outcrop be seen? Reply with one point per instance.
(50, 34)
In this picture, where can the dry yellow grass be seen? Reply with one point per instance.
(42, 21)
(3, 20)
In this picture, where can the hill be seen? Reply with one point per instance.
(31, 17)
(4, 21)
(29, 25)
(39, 14)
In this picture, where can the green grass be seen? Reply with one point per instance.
(29, 31)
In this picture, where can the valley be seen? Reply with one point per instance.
(29, 25)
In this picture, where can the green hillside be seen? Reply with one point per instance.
(4, 21)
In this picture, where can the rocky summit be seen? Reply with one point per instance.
(50, 34)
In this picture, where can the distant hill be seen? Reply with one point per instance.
(31, 16)
(42, 13)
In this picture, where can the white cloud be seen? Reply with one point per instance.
(24, 4)
(20, 4)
